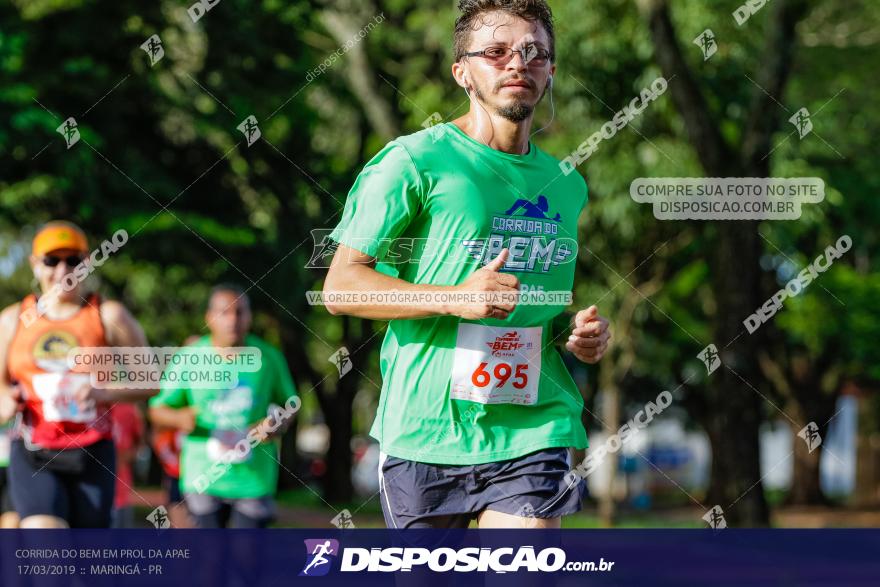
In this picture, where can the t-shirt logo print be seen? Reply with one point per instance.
(538, 209)
(531, 234)
(507, 344)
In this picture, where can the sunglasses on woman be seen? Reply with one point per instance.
(71, 261)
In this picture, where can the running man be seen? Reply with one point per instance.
(320, 559)
(216, 420)
(477, 411)
(62, 461)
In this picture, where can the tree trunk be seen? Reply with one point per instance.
(734, 402)
(812, 406)
(337, 480)
(735, 414)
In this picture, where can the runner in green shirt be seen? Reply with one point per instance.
(441, 231)
(227, 474)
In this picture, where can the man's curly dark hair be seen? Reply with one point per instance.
(471, 11)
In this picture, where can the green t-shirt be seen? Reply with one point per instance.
(433, 207)
(223, 417)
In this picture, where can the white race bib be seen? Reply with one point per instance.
(224, 442)
(497, 364)
(56, 392)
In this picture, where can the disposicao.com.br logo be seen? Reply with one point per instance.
(319, 555)
(441, 560)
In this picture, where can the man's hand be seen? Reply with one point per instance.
(488, 282)
(275, 418)
(590, 336)
(185, 419)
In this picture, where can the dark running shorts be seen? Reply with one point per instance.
(84, 500)
(422, 495)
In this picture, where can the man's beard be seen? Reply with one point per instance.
(516, 112)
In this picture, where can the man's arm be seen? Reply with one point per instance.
(168, 417)
(354, 271)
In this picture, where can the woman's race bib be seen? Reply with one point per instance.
(497, 364)
(56, 390)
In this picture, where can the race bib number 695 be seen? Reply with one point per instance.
(497, 364)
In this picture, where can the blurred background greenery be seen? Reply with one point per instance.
(160, 156)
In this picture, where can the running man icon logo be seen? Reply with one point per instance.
(706, 42)
(710, 358)
(250, 130)
(810, 434)
(159, 518)
(342, 359)
(537, 209)
(154, 50)
(323, 249)
(433, 122)
(715, 518)
(69, 131)
(319, 554)
(801, 121)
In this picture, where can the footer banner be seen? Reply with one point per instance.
(278, 557)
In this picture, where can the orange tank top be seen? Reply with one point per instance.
(37, 361)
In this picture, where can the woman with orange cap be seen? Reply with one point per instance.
(62, 461)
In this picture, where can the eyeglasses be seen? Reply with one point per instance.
(530, 54)
(71, 261)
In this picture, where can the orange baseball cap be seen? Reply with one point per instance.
(59, 234)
